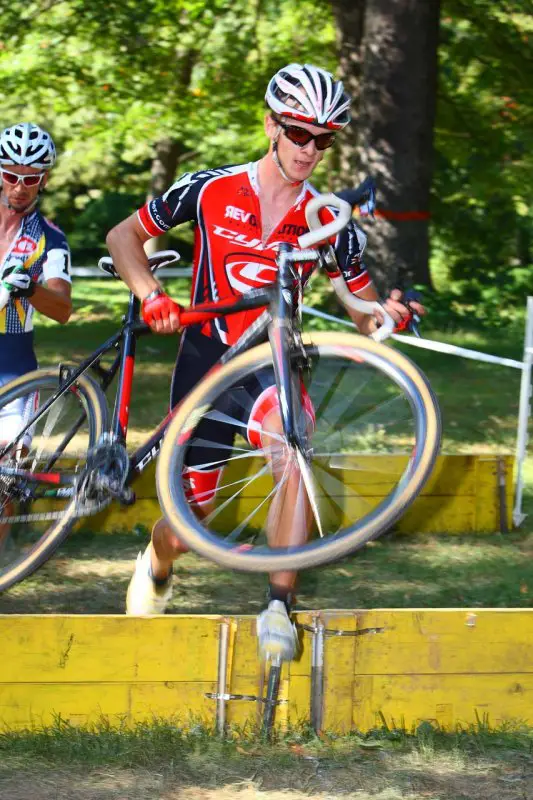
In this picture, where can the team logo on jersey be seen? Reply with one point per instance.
(291, 230)
(233, 212)
(24, 246)
(245, 273)
(240, 238)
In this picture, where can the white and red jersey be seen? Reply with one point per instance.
(229, 254)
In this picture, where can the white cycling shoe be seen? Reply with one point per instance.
(278, 639)
(145, 598)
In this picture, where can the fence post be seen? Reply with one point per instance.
(223, 642)
(317, 674)
(524, 411)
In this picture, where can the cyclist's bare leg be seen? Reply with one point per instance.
(167, 547)
(290, 515)
(288, 523)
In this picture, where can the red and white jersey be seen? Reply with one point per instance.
(230, 256)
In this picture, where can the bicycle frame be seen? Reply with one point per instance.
(281, 313)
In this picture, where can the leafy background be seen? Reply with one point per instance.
(113, 79)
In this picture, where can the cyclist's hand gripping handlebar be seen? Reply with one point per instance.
(161, 313)
(319, 233)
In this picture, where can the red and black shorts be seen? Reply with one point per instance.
(246, 405)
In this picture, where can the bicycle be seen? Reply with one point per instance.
(367, 399)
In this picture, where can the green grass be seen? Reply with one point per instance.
(90, 574)
(168, 761)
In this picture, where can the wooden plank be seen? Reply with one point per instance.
(460, 497)
(34, 705)
(440, 514)
(488, 492)
(403, 666)
(427, 515)
(244, 675)
(71, 649)
(339, 660)
(451, 701)
(437, 641)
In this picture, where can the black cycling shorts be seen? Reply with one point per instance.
(197, 354)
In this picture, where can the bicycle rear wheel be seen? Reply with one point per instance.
(375, 440)
(38, 476)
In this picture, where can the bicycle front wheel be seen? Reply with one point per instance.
(38, 474)
(375, 439)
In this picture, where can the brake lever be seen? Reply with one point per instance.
(412, 324)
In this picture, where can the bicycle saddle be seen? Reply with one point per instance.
(160, 259)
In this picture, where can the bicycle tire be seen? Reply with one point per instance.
(189, 529)
(97, 416)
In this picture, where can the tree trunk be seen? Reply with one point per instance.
(164, 165)
(349, 17)
(397, 112)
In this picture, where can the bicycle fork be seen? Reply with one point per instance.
(281, 340)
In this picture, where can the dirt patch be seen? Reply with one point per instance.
(373, 776)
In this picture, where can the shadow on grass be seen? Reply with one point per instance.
(90, 574)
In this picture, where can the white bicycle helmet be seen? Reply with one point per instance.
(28, 145)
(309, 94)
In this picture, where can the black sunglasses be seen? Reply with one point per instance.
(301, 137)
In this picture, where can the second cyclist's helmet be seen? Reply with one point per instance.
(28, 145)
(309, 94)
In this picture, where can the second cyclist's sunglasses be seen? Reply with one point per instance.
(13, 178)
(301, 137)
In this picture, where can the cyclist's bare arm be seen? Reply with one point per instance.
(125, 242)
(365, 322)
(53, 300)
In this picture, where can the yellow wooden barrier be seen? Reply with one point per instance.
(398, 667)
(462, 496)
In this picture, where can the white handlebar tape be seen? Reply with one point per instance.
(317, 231)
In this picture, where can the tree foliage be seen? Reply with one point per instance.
(113, 78)
(483, 184)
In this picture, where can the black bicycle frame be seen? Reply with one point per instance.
(279, 299)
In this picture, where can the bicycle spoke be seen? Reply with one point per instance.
(40, 499)
(237, 531)
(221, 462)
(349, 462)
(221, 507)
(51, 420)
(307, 477)
(221, 417)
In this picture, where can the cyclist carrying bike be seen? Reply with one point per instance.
(34, 257)
(241, 214)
